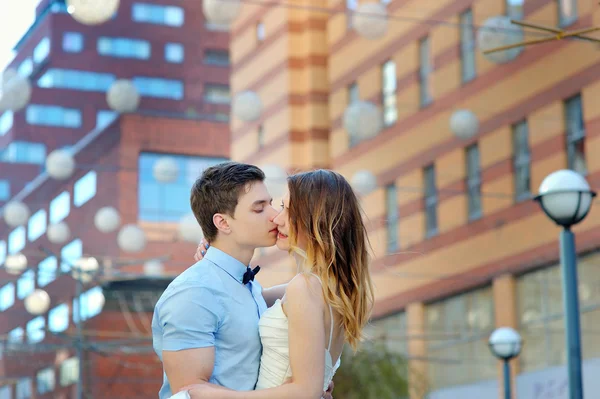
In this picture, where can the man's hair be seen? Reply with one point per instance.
(218, 191)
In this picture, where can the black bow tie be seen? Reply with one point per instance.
(249, 275)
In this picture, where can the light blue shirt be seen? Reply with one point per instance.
(207, 305)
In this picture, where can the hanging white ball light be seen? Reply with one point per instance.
(363, 120)
(58, 233)
(364, 182)
(189, 229)
(464, 124)
(165, 170)
(107, 219)
(15, 263)
(275, 180)
(85, 269)
(131, 238)
(16, 213)
(154, 268)
(60, 164)
(15, 91)
(123, 96)
(221, 12)
(92, 12)
(497, 32)
(37, 303)
(370, 20)
(247, 106)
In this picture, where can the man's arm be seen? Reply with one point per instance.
(190, 366)
(274, 293)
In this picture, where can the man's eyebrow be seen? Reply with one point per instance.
(260, 202)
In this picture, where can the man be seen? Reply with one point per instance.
(205, 325)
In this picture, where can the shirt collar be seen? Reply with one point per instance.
(228, 263)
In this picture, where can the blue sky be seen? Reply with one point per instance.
(15, 18)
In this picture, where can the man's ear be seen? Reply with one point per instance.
(222, 223)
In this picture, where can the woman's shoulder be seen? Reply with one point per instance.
(305, 287)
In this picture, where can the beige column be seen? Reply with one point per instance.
(505, 310)
(417, 350)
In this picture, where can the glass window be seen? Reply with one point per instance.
(431, 201)
(58, 318)
(216, 57)
(69, 372)
(85, 188)
(6, 392)
(6, 122)
(473, 182)
(391, 331)
(92, 302)
(36, 330)
(392, 216)
(24, 152)
(4, 190)
(157, 14)
(425, 71)
(70, 254)
(47, 270)
(72, 42)
(37, 225)
(60, 207)
(514, 9)
(2, 252)
(567, 12)
(51, 115)
(7, 296)
(41, 51)
(389, 85)
(217, 94)
(260, 32)
(353, 93)
(26, 67)
(16, 240)
(467, 46)
(45, 380)
(168, 201)
(575, 129)
(351, 5)
(521, 161)
(105, 118)
(25, 284)
(76, 80)
(16, 335)
(24, 390)
(174, 53)
(158, 87)
(122, 47)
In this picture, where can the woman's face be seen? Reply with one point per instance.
(282, 220)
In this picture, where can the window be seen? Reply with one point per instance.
(4, 190)
(16, 240)
(388, 92)
(391, 207)
(2, 252)
(174, 53)
(473, 182)
(60, 207)
(157, 87)
(25, 68)
(69, 372)
(467, 46)
(392, 332)
(122, 47)
(37, 224)
(51, 115)
(6, 122)
(567, 12)
(464, 323)
(25, 284)
(217, 94)
(216, 57)
(521, 161)
(45, 380)
(157, 14)
(168, 201)
(72, 42)
(58, 318)
(6, 392)
(425, 70)
(24, 390)
(105, 118)
(76, 80)
(260, 134)
(47, 271)
(7, 296)
(514, 9)
(84, 189)
(353, 93)
(36, 330)
(92, 302)
(431, 201)
(16, 335)
(41, 51)
(260, 32)
(70, 254)
(24, 152)
(575, 132)
(351, 5)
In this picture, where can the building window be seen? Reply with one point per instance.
(158, 87)
(473, 182)
(6, 392)
(514, 9)
(69, 372)
(91, 303)
(174, 53)
(431, 201)
(168, 201)
(2, 252)
(465, 322)
(25, 284)
(72, 42)
(217, 94)
(4, 190)
(58, 318)
(261, 136)
(391, 332)
(16, 335)
(51, 115)
(36, 330)
(41, 51)
(70, 254)
(157, 14)
(24, 390)
(25, 68)
(84, 189)
(216, 57)
(388, 93)
(45, 380)
(575, 134)
(76, 80)
(521, 161)
(351, 5)
(105, 118)
(6, 122)
(392, 216)
(425, 71)
(16, 240)
(567, 12)
(353, 93)
(24, 152)
(467, 46)
(260, 32)
(7, 296)
(60, 207)
(122, 47)
(37, 225)
(47, 270)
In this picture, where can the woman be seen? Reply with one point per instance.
(326, 304)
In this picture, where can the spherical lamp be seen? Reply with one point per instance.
(123, 96)
(16, 213)
(189, 229)
(92, 12)
(15, 263)
(505, 343)
(58, 233)
(131, 238)
(247, 106)
(38, 302)
(60, 164)
(364, 182)
(370, 20)
(221, 12)
(275, 180)
(165, 170)
(498, 32)
(464, 124)
(107, 219)
(362, 120)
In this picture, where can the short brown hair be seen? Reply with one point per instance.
(218, 191)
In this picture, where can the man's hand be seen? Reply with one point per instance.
(329, 393)
(201, 250)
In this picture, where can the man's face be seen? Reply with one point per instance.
(252, 223)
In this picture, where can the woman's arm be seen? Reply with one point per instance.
(304, 308)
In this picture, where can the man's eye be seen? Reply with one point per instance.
(258, 210)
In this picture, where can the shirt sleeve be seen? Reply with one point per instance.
(190, 318)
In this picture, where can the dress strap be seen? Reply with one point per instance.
(330, 317)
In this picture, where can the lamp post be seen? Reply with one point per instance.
(505, 343)
(566, 198)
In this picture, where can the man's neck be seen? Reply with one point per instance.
(232, 249)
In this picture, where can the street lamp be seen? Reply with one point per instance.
(566, 197)
(505, 343)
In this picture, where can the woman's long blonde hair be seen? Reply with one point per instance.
(325, 209)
